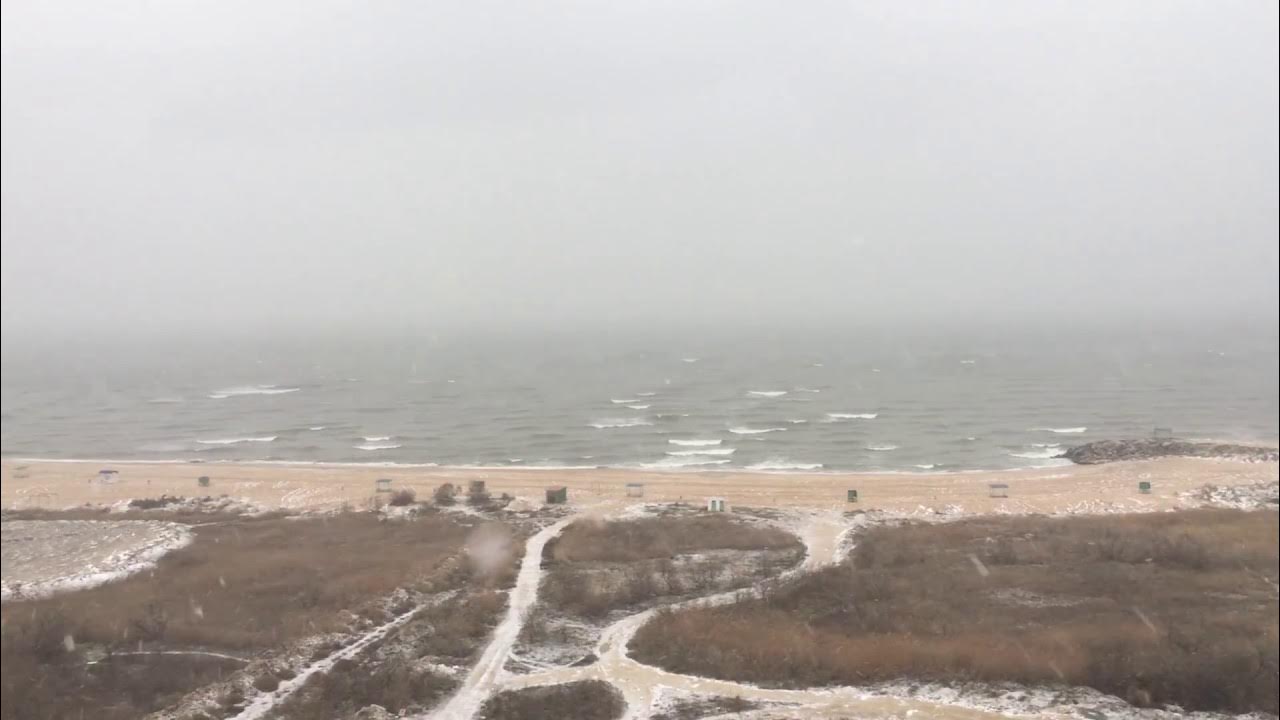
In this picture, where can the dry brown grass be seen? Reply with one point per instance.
(1162, 608)
(243, 586)
(386, 674)
(597, 567)
(582, 700)
(651, 538)
(148, 509)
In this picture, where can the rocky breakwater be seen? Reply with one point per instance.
(1104, 451)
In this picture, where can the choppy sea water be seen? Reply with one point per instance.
(776, 403)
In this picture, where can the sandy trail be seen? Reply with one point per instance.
(196, 653)
(488, 670)
(823, 534)
(263, 703)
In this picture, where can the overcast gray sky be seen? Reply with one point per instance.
(217, 164)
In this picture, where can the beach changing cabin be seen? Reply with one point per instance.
(998, 490)
(557, 495)
(635, 489)
(851, 496)
(203, 481)
(1144, 487)
(383, 485)
(717, 504)
(107, 475)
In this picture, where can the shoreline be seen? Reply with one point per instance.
(389, 464)
(1110, 487)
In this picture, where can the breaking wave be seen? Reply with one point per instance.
(783, 464)
(743, 430)
(1040, 454)
(767, 393)
(836, 417)
(241, 390)
(882, 448)
(683, 462)
(377, 446)
(619, 423)
(694, 443)
(1061, 430)
(236, 441)
(701, 451)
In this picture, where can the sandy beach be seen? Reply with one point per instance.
(1069, 489)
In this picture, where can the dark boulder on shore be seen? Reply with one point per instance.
(1104, 451)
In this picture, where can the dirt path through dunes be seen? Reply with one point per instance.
(643, 686)
(488, 670)
(263, 703)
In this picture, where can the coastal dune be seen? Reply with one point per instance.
(1081, 488)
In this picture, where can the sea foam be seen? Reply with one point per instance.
(743, 430)
(619, 423)
(702, 451)
(242, 390)
(778, 464)
(236, 441)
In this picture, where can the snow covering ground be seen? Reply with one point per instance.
(1241, 497)
(827, 536)
(44, 557)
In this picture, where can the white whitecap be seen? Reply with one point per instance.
(1039, 454)
(702, 451)
(624, 401)
(767, 393)
(694, 443)
(241, 390)
(646, 394)
(882, 448)
(376, 438)
(808, 390)
(926, 466)
(236, 441)
(1061, 430)
(638, 407)
(836, 417)
(777, 464)
(316, 427)
(689, 360)
(683, 462)
(377, 446)
(797, 421)
(619, 423)
(743, 430)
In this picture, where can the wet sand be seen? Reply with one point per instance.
(1068, 489)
